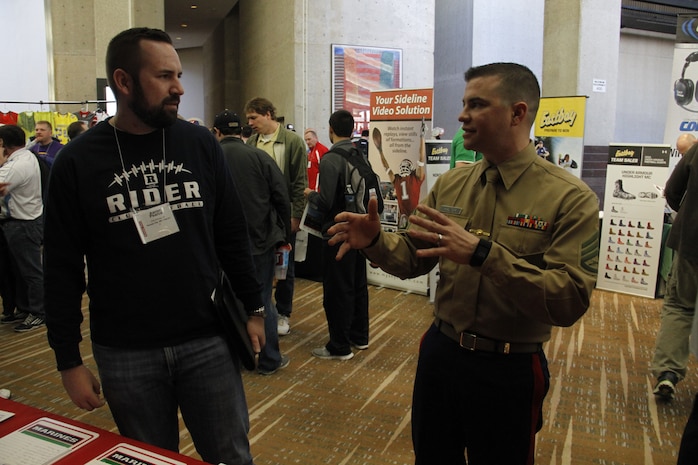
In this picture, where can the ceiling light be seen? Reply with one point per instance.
(184, 25)
(194, 7)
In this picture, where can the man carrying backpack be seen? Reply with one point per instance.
(345, 290)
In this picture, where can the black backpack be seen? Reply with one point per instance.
(361, 182)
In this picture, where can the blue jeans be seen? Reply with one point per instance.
(284, 287)
(270, 357)
(144, 388)
(24, 240)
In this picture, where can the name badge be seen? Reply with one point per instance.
(155, 223)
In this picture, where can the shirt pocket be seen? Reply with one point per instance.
(527, 244)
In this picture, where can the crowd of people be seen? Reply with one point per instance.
(238, 197)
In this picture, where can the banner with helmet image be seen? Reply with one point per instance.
(559, 131)
(633, 219)
(400, 125)
(682, 111)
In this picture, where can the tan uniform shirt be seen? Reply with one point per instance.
(542, 266)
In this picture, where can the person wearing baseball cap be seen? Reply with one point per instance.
(262, 188)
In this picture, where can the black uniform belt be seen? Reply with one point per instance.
(478, 343)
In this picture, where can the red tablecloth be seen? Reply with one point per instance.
(23, 415)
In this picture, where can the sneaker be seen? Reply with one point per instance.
(13, 318)
(361, 346)
(29, 323)
(5, 393)
(666, 385)
(323, 353)
(283, 325)
(284, 363)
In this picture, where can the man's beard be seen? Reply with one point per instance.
(155, 116)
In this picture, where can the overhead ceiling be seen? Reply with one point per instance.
(199, 21)
(647, 15)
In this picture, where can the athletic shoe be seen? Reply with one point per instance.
(323, 353)
(284, 363)
(666, 385)
(29, 323)
(283, 325)
(5, 393)
(365, 346)
(13, 318)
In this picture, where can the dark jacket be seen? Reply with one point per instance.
(263, 192)
(330, 200)
(166, 284)
(681, 193)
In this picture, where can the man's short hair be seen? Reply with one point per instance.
(124, 51)
(342, 123)
(261, 106)
(517, 83)
(311, 131)
(76, 128)
(47, 123)
(12, 136)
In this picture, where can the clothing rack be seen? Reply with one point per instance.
(56, 102)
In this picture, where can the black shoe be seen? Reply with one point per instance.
(29, 323)
(12, 318)
(666, 385)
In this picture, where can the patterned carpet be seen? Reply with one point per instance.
(600, 409)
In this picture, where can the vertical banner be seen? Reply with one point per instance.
(438, 162)
(399, 122)
(682, 112)
(631, 234)
(559, 131)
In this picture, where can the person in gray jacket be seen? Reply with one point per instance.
(262, 189)
(671, 349)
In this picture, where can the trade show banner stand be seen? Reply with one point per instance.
(438, 162)
(631, 233)
(682, 112)
(559, 131)
(399, 122)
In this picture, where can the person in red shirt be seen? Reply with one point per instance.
(315, 152)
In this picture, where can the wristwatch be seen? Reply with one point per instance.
(260, 312)
(481, 252)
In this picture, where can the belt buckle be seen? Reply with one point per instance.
(468, 341)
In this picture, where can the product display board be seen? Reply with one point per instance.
(399, 122)
(631, 231)
(559, 132)
(30, 436)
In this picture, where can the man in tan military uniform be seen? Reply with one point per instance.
(517, 251)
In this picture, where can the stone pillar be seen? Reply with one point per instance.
(581, 45)
(80, 33)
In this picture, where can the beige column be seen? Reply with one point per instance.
(581, 45)
(80, 31)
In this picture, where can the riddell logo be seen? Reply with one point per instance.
(689, 27)
(688, 125)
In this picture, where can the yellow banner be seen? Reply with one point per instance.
(560, 117)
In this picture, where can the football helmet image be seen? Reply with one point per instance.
(406, 167)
